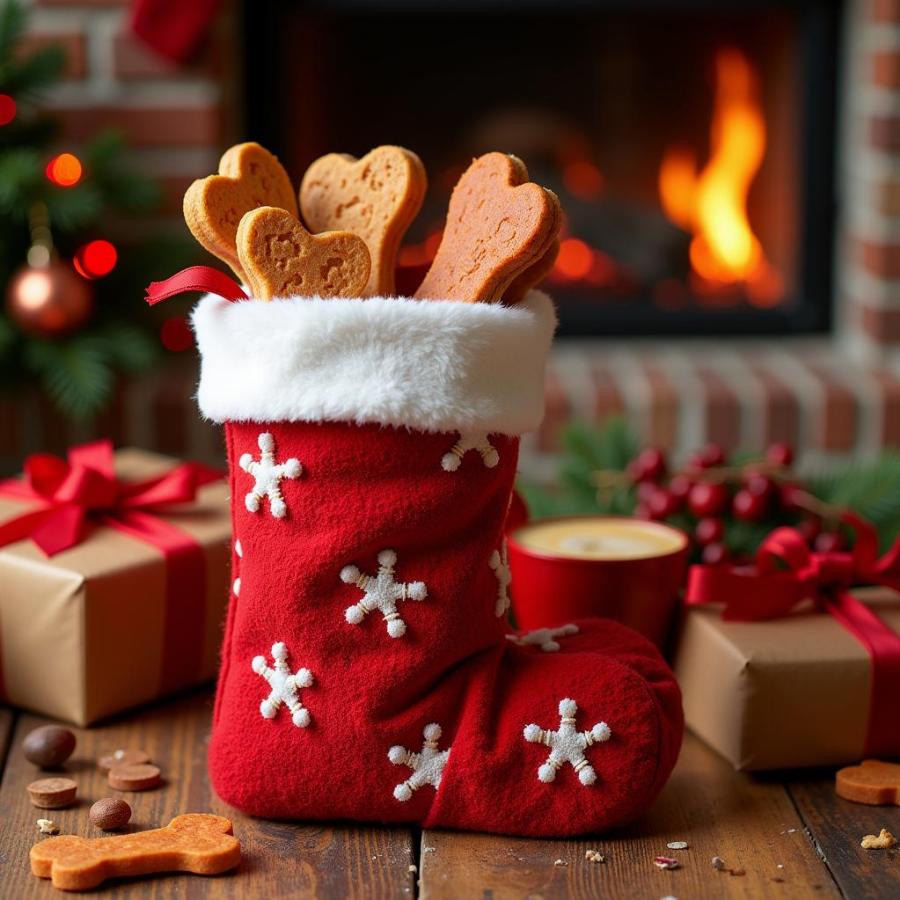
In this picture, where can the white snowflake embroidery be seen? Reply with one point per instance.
(480, 441)
(545, 638)
(285, 686)
(268, 476)
(239, 552)
(382, 592)
(427, 765)
(499, 562)
(567, 745)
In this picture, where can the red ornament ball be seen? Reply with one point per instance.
(176, 334)
(708, 499)
(749, 507)
(49, 301)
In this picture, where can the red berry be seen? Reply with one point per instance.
(715, 554)
(662, 504)
(810, 528)
(788, 496)
(830, 542)
(780, 454)
(711, 455)
(709, 531)
(645, 490)
(648, 465)
(759, 485)
(749, 507)
(680, 486)
(708, 499)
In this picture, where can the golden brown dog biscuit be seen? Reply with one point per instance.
(376, 197)
(282, 259)
(532, 276)
(498, 225)
(872, 781)
(196, 842)
(249, 177)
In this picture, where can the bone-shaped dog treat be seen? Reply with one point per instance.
(872, 781)
(532, 276)
(198, 843)
(282, 259)
(498, 225)
(249, 177)
(376, 197)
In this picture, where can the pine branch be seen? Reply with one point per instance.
(75, 374)
(12, 27)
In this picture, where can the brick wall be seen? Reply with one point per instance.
(869, 244)
(175, 119)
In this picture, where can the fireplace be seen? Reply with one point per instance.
(691, 144)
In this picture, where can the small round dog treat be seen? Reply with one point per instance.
(136, 777)
(110, 814)
(48, 746)
(123, 758)
(52, 793)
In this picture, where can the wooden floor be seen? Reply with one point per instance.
(780, 839)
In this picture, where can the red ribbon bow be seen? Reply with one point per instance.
(84, 488)
(195, 278)
(787, 572)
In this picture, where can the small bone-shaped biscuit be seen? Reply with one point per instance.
(498, 225)
(196, 842)
(872, 782)
(376, 197)
(282, 259)
(532, 276)
(249, 177)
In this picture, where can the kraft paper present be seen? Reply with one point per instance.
(83, 633)
(781, 693)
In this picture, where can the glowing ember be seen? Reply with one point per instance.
(712, 204)
(583, 180)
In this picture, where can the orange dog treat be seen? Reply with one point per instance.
(52, 793)
(282, 259)
(196, 842)
(249, 177)
(872, 781)
(498, 225)
(134, 777)
(532, 276)
(122, 758)
(376, 197)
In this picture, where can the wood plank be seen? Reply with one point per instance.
(837, 826)
(280, 860)
(751, 823)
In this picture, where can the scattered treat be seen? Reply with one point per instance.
(376, 198)
(737, 873)
(532, 276)
(872, 781)
(594, 856)
(718, 863)
(110, 814)
(666, 862)
(282, 259)
(52, 793)
(249, 177)
(559, 862)
(47, 826)
(882, 841)
(197, 843)
(134, 777)
(677, 845)
(498, 225)
(123, 758)
(48, 746)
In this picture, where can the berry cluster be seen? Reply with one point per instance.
(708, 494)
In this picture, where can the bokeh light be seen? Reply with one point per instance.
(176, 334)
(575, 259)
(7, 109)
(95, 259)
(64, 170)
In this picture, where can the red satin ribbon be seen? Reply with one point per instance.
(195, 278)
(83, 491)
(787, 572)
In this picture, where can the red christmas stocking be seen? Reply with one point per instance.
(368, 670)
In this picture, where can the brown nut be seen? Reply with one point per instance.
(48, 746)
(122, 758)
(139, 777)
(110, 813)
(52, 793)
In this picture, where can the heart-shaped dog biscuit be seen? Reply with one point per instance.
(498, 225)
(532, 276)
(376, 197)
(249, 177)
(872, 781)
(282, 259)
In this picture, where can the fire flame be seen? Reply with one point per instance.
(712, 203)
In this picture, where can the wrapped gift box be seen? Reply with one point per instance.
(98, 628)
(781, 693)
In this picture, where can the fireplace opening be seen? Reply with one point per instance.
(691, 145)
